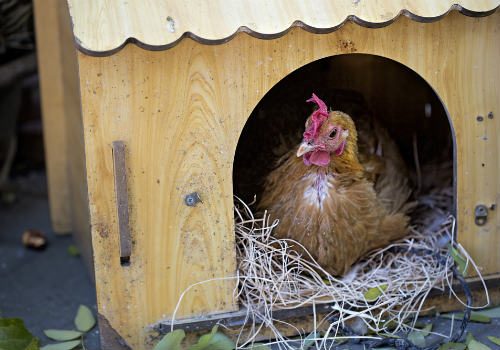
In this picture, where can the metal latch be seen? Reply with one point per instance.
(481, 213)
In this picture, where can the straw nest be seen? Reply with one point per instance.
(272, 275)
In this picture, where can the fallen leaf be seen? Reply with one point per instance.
(493, 312)
(73, 250)
(494, 339)
(474, 317)
(171, 341)
(459, 260)
(59, 334)
(427, 329)
(84, 319)
(13, 335)
(475, 345)
(34, 239)
(373, 293)
(213, 341)
(417, 338)
(309, 341)
(452, 346)
(468, 338)
(67, 345)
(220, 341)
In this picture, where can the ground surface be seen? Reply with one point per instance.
(45, 288)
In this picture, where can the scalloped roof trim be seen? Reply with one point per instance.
(268, 36)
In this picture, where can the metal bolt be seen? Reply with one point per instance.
(479, 118)
(192, 199)
(490, 115)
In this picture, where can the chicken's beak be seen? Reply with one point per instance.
(304, 148)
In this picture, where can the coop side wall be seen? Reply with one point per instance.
(180, 113)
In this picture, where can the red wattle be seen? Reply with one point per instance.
(320, 158)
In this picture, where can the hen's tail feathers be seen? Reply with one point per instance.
(392, 186)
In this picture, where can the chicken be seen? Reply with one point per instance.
(336, 201)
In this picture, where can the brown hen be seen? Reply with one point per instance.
(339, 201)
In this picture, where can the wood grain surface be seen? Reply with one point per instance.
(180, 113)
(50, 55)
(102, 27)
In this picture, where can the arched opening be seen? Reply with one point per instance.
(358, 84)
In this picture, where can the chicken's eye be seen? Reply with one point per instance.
(333, 133)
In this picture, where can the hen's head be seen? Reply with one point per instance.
(327, 135)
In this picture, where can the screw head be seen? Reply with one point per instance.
(192, 199)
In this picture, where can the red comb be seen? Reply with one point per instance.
(318, 117)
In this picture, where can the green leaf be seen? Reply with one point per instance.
(459, 260)
(213, 341)
(494, 339)
(373, 293)
(61, 335)
(171, 341)
(452, 346)
(13, 335)
(475, 345)
(493, 312)
(67, 345)
(73, 250)
(309, 341)
(417, 338)
(468, 338)
(427, 329)
(84, 319)
(474, 317)
(220, 341)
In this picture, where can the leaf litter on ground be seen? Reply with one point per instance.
(214, 341)
(373, 293)
(473, 344)
(62, 335)
(14, 335)
(67, 345)
(494, 339)
(84, 319)
(474, 317)
(84, 322)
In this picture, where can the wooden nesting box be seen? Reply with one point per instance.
(167, 87)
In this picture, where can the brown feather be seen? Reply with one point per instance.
(337, 212)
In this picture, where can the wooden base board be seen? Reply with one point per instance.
(302, 319)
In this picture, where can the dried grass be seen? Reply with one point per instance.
(272, 275)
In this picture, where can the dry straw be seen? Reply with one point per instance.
(272, 275)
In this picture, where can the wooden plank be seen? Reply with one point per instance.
(63, 130)
(181, 120)
(50, 53)
(442, 301)
(305, 323)
(104, 27)
(75, 148)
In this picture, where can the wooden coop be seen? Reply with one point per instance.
(167, 89)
